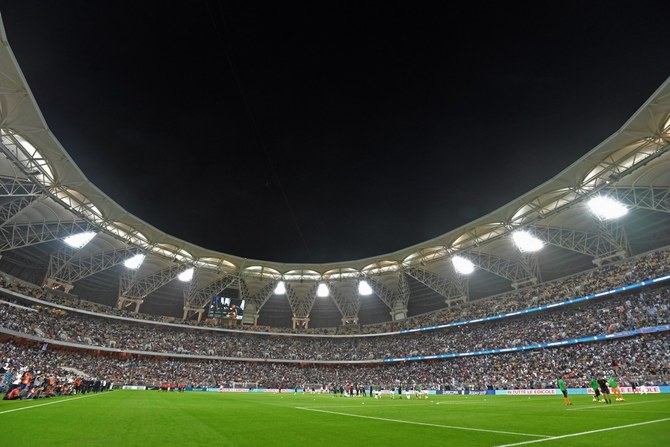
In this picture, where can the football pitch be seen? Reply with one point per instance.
(153, 418)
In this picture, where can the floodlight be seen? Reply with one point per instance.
(186, 275)
(364, 288)
(462, 265)
(322, 291)
(606, 208)
(281, 288)
(135, 262)
(80, 239)
(526, 242)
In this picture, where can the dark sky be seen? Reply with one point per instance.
(332, 130)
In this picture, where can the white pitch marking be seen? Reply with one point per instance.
(48, 403)
(572, 435)
(400, 421)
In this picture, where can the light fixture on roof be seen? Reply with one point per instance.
(322, 290)
(80, 239)
(186, 275)
(281, 288)
(606, 208)
(526, 242)
(462, 265)
(364, 288)
(135, 262)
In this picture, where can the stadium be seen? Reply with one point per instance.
(115, 332)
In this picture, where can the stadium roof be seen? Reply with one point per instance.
(46, 197)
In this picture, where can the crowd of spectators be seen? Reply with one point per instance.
(23, 379)
(606, 315)
(608, 277)
(643, 359)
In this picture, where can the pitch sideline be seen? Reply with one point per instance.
(426, 424)
(572, 435)
(48, 403)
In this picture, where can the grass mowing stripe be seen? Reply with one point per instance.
(603, 406)
(48, 403)
(400, 421)
(387, 406)
(572, 435)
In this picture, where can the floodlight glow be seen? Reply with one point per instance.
(526, 242)
(186, 275)
(80, 239)
(462, 265)
(606, 208)
(364, 288)
(135, 262)
(322, 291)
(280, 289)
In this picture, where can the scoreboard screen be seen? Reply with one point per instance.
(224, 307)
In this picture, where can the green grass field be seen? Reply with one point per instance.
(152, 418)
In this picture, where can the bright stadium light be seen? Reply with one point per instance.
(186, 275)
(281, 288)
(462, 265)
(364, 288)
(526, 242)
(135, 262)
(322, 291)
(80, 239)
(606, 208)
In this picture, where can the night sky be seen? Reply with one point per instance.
(333, 130)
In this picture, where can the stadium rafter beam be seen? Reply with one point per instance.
(133, 287)
(66, 267)
(595, 244)
(26, 158)
(58, 260)
(453, 288)
(301, 304)
(14, 187)
(399, 310)
(198, 298)
(645, 197)
(517, 271)
(254, 303)
(383, 292)
(19, 235)
(14, 207)
(349, 304)
(614, 232)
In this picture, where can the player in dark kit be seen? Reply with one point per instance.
(596, 390)
(604, 390)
